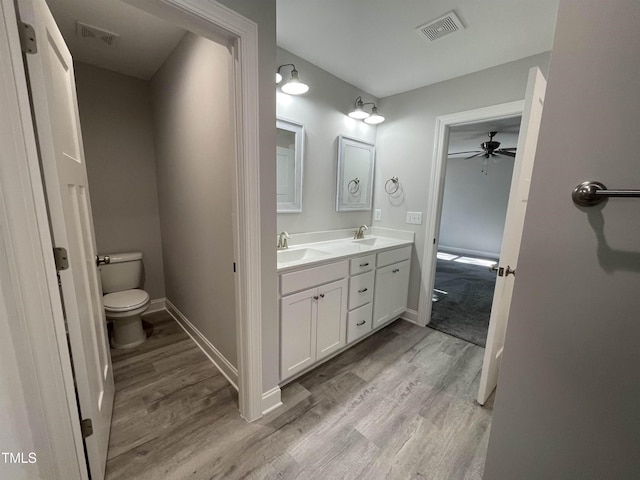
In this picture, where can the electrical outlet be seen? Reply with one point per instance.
(414, 218)
(377, 216)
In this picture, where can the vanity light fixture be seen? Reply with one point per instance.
(375, 118)
(360, 113)
(293, 86)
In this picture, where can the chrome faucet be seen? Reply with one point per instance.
(282, 240)
(360, 232)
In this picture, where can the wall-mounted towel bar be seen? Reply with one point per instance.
(588, 194)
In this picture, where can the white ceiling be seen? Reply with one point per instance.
(144, 44)
(373, 44)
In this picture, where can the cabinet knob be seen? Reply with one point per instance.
(322, 295)
(395, 270)
(315, 297)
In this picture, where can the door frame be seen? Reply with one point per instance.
(444, 123)
(219, 23)
(28, 281)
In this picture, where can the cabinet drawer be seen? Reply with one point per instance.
(312, 277)
(359, 322)
(361, 289)
(394, 256)
(362, 264)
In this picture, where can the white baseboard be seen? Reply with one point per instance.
(410, 316)
(222, 364)
(156, 305)
(271, 400)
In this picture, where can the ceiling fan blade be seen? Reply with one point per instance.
(460, 153)
(481, 154)
(510, 148)
(502, 152)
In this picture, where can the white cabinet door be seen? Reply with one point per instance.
(331, 318)
(298, 313)
(391, 291)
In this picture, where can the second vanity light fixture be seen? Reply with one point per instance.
(360, 113)
(293, 86)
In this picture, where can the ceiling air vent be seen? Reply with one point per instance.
(438, 28)
(88, 32)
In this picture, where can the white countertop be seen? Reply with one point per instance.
(311, 254)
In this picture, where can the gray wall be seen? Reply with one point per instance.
(474, 206)
(263, 12)
(568, 391)
(323, 112)
(405, 141)
(117, 130)
(195, 144)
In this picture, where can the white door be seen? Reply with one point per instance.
(518, 196)
(55, 108)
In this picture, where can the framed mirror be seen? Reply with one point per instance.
(289, 160)
(355, 175)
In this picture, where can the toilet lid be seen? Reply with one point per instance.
(127, 300)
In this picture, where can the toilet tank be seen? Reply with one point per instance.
(125, 272)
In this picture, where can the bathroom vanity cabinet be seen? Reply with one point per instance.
(392, 285)
(323, 309)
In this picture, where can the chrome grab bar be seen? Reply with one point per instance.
(588, 194)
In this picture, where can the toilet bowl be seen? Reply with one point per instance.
(124, 301)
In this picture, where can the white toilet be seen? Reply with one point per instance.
(124, 302)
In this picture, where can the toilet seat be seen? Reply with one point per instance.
(125, 301)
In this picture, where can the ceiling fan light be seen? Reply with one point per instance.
(278, 77)
(294, 86)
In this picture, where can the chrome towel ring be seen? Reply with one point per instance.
(392, 185)
(354, 186)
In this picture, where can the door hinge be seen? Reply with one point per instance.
(86, 427)
(28, 38)
(61, 258)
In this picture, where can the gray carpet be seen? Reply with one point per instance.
(464, 312)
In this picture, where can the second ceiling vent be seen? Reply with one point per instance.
(88, 32)
(445, 25)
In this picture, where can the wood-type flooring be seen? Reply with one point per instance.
(399, 405)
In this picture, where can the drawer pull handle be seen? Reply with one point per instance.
(322, 295)
(359, 324)
(364, 264)
(396, 270)
(363, 290)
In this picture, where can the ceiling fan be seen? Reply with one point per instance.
(489, 149)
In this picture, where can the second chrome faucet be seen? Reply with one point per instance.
(360, 232)
(282, 240)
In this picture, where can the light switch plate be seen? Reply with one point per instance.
(414, 218)
(377, 215)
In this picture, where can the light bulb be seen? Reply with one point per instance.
(358, 112)
(294, 86)
(375, 118)
(278, 77)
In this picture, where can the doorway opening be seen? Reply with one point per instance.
(474, 207)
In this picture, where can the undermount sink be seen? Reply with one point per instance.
(286, 256)
(371, 242)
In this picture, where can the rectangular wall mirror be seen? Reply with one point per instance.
(289, 160)
(355, 175)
